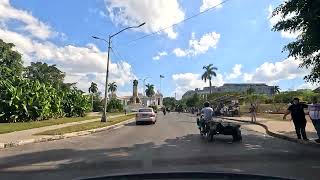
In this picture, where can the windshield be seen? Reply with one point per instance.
(145, 110)
(132, 87)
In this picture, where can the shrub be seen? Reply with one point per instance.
(114, 105)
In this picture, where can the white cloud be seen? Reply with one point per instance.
(160, 54)
(157, 14)
(78, 62)
(32, 25)
(206, 4)
(236, 72)
(124, 93)
(189, 81)
(247, 77)
(200, 46)
(273, 20)
(163, 53)
(179, 52)
(102, 14)
(209, 40)
(156, 57)
(307, 86)
(273, 72)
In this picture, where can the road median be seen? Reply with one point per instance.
(76, 130)
(86, 126)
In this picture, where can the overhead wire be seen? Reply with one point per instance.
(121, 57)
(115, 52)
(186, 19)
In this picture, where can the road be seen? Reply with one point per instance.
(172, 144)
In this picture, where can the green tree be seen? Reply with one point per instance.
(93, 89)
(276, 89)
(114, 105)
(97, 102)
(302, 16)
(10, 60)
(193, 101)
(113, 88)
(250, 91)
(169, 102)
(45, 73)
(23, 99)
(208, 73)
(287, 97)
(150, 91)
(75, 103)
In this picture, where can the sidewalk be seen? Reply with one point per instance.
(282, 129)
(28, 135)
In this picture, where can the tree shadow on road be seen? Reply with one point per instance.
(189, 150)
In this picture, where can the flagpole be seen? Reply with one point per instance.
(160, 84)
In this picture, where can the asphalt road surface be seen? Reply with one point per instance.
(172, 144)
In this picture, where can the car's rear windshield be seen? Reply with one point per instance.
(145, 110)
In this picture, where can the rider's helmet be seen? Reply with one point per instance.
(206, 104)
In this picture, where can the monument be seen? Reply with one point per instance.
(135, 98)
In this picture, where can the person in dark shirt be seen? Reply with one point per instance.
(298, 117)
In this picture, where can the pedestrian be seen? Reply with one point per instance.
(164, 110)
(253, 113)
(314, 114)
(298, 116)
(125, 112)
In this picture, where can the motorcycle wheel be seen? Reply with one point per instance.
(210, 137)
(237, 136)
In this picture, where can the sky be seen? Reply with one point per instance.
(235, 37)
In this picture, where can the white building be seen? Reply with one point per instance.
(157, 100)
(259, 88)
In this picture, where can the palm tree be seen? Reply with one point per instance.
(276, 89)
(112, 88)
(150, 91)
(93, 89)
(208, 73)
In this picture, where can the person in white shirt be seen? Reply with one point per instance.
(206, 115)
(314, 114)
(207, 112)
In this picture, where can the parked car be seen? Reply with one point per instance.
(146, 115)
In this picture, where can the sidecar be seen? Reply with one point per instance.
(211, 128)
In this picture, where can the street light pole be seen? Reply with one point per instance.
(104, 115)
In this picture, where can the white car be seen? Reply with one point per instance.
(146, 115)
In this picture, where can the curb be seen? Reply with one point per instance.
(68, 135)
(277, 135)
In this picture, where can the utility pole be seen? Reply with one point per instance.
(104, 115)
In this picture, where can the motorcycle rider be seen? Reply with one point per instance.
(164, 110)
(207, 113)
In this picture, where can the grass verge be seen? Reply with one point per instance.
(12, 127)
(86, 126)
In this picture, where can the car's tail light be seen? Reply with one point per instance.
(152, 115)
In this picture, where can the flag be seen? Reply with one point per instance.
(161, 76)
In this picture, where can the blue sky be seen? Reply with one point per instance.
(236, 37)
